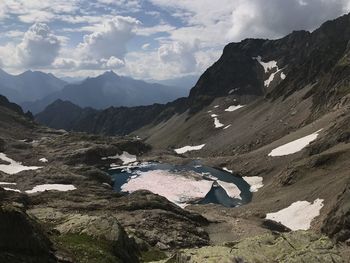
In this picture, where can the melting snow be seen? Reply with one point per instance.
(255, 182)
(294, 146)
(231, 189)
(233, 108)
(298, 216)
(43, 160)
(125, 157)
(269, 66)
(189, 148)
(176, 188)
(48, 187)
(14, 167)
(217, 123)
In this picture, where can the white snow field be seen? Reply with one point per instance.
(294, 146)
(176, 188)
(298, 216)
(14, 167)
(186, 149)
(51, 187)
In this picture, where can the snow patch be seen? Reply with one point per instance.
(299, 215)
(255, 182)
(269, 66)
(233, 108)
(266, 65)
(125, 157)
(43, 160)
(214, 115)
(228, 126)
(217, 106)
(2, 183)
(294, 146)
(49, 187)
(176, 188)
(189, 148)
(14, 167)
(217, 123)
(227, 170)
(11, 189)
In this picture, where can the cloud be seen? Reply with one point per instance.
(39, 47)
(180, 55)
(110, 41)
(275, 18)
(113, 63)
(234, 20)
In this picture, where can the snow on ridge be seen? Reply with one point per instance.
(176, 188)
(189, 148)
(294, 146)
(299, 215)
(14, 167)
(125, 157)
(233, 108)
(48, 187)
(255, 182)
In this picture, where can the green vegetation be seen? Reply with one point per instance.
(86, 249)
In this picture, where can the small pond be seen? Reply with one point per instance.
(184, 184)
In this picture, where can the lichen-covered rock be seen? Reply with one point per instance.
(300, 246)
(80, 230)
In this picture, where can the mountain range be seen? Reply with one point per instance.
(34, 90)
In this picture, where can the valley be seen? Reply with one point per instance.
(252, 166)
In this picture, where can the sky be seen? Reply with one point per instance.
(144, 39)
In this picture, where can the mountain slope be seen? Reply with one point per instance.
(28, 86)
(109, 89)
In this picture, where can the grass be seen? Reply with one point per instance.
(86, 249)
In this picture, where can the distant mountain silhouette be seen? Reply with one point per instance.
(29, 86)
(110, 89)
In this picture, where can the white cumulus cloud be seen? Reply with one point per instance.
(39, 47)
(110, 40)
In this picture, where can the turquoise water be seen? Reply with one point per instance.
(216, 195)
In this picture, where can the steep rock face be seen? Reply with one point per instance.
(22, 240)
(337, 224)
